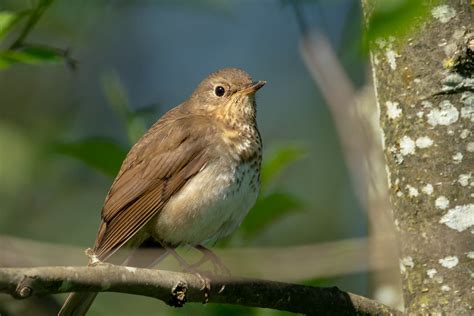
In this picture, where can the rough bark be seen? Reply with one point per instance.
(178, 288)
(425, 93)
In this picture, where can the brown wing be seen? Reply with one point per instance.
(166, 157)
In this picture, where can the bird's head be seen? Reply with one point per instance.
(227, 94)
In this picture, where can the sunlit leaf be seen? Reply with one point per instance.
(101, 154)
(269, 209)
(30, 56)
(9, 19)
(278, 160)
(118, 99)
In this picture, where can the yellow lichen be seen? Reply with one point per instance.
(449, 63)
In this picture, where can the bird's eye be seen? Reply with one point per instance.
(219, 91)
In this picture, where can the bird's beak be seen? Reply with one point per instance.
(253, 87)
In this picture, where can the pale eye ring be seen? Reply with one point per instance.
(219, 91)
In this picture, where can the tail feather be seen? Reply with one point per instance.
(77, 304)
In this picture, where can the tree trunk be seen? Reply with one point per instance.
(424, 85)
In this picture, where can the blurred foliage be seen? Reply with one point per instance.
(9, 19)
(101, 154)
(117, 98)
(395, 18)
(19, 52)
(278, 160)
(29, 55)
(268, 209)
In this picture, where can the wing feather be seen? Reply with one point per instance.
(156, 168)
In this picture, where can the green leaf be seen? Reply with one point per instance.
(395, 18)
(269, 209)
(118, 99)
(31, 55)
(101, 154)
(281, 158)
(9, 19)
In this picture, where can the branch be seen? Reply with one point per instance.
(176, 288)
(312, 261)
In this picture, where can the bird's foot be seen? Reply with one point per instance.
(218, 265)
(206, 286)
(206, 282)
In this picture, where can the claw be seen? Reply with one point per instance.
(206, 287)
(178, 295)
(206, 282)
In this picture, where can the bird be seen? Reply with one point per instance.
(190, 179)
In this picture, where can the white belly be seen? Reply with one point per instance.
(210, 206)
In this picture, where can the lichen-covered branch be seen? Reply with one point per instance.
(177, 288)
(425, 92)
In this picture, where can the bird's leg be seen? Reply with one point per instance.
(159, 259)
(208, 255)
(189, 268)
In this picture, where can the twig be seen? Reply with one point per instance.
(171, 286)
(34, 18)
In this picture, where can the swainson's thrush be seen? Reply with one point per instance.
(191, 178)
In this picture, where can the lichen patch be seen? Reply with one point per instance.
(407, 146)
(465, 133)
(459, 218)
(393, 111)
(470, 147)
(443, 13)
(427, 189)
(390, 53)
(445, 114)
(464, 179)
(406, 262)
(423, 142)
(445, 288)
(426, 104)
(457, 158)
(391, 58)
(449, 262)
(412, 191)
(442, 202)
(431, 273)
(398, 157)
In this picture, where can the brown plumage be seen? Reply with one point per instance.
(160, 164)
(192, 177)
